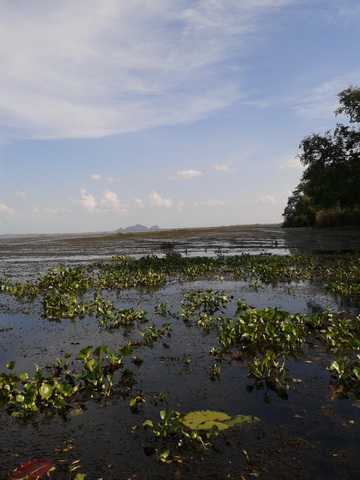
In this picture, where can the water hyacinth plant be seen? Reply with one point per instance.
(90, 372)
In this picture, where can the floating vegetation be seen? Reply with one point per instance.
(206, 419)
(62, 287)
(91, 371)
(183, 432)
(32, 469)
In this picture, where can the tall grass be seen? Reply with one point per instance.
(338, 217)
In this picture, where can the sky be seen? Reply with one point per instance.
(178, 113)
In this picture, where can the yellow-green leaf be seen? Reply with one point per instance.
(205, 419)
(80, 476)
(46, 391)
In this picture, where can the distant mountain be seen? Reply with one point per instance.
(137, 228)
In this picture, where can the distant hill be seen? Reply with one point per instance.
(137, 228)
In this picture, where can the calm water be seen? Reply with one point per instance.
(311, 435)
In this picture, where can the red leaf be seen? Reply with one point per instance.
(32, 469)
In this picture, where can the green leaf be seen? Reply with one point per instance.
(23, 377)
(206, 419)
(335, 366)
(46, 391)
(355, 343)
(241, 419)
(84, 353)
(76, 411)
(126, 350)
(166, 414)
(148, 423)
(90, 365)
(10, 365)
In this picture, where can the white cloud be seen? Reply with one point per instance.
(87, 201)
(222, 168)
(139, 203)
(186, 174)
(108, 203)
(95, 176)
(5, 210)
(157, 201)
(266, 200)
(20, 194)
(111, 203)
(74, 70)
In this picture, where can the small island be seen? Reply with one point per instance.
(137, 228)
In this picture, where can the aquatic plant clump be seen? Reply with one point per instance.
(62, 289)
(91, 371)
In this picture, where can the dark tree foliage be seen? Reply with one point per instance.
(329, 189)
(349, 100)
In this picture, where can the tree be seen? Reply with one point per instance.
(349, 100)
(331, 179)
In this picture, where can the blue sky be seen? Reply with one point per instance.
(177, 113)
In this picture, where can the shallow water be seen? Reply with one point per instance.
(310, 435)
(25, 255)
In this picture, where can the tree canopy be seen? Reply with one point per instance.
(329, 190)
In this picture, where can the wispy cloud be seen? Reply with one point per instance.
(20, 194)
(222, 168)
(179, 206)
(5, 209)
(211, 203)
(266, 200)
(139, 203)
(105, 69)
(57, 211)
(349, 11)
(186, 174)
(113, 179)
(292, 164)
(321, 101)
(157, 201)
(95, 176)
